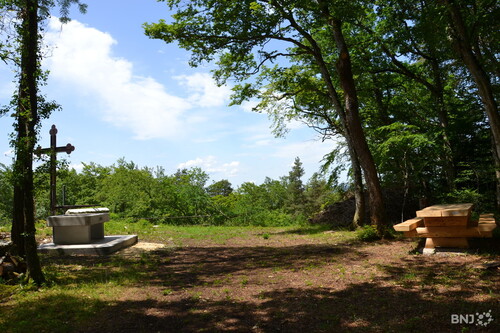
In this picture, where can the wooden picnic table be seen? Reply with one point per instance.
(447, 225)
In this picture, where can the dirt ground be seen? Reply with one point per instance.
(298, 283)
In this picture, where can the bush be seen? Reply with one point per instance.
(464, 195)
(367, 233)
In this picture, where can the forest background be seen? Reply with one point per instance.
(421, 106)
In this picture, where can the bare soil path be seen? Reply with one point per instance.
(298, 283)
(222, 279)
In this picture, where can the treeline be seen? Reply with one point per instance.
(185, 197)
(410, 87)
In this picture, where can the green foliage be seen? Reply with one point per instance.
(222, 187)
(319, 193)
(6, 193)
(422, 116)
(149, 195)
(367, 233)
(403, 153)
(420, 110)
(465, 195)
(296, 198)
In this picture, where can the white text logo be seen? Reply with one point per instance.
(480, 319)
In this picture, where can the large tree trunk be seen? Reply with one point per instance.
(27, 119)
(496, 159)
(359, 198)
(437, 91)
(353, 122)
(17, 229)
(464, 48)
(349, 115)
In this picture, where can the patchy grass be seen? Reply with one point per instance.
(257, 279)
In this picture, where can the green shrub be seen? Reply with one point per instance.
(463, 196)
(367, 233)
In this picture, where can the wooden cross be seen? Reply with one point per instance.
(52, 151)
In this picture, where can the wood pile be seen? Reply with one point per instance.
(10, 266)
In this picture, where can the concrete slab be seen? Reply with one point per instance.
(427, 251)
(445, 251)
(105, 246)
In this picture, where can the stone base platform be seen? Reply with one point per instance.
(444, 251)
(105, 246)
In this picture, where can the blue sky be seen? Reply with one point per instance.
(124, 95)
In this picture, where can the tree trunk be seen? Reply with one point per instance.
(27, 121)
(353, 122)
(438, 93)
(17, 229)
(464, 48)
(496, 160)
(359, 197)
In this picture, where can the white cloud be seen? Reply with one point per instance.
(211, 165)
(311, 151)
(258, 135)
(82, 59)
(295, 124)
(205, 140)
(191, 163)
(259, 140)
(249, 105)
(204, 91)
(78, 167)
(261, 143)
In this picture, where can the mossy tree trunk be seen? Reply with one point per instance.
(23, 227)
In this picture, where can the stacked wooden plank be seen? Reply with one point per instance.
(447, 225)
(10, 266)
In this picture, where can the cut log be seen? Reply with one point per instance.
(459, 212)
(487, 220)
(409, 225)
(431, 243)
(412, 233)
(11, 267)
(446, 221)
(479, 231)
(446, 210)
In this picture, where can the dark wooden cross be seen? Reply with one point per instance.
(52, 151)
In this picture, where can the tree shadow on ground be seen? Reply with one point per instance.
(412, 293)
(186, 267)
(191, 266)
(486, 246)
(365, 307)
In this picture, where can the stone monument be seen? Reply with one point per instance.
(81, 229)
